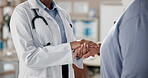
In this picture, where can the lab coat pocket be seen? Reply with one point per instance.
(44, 32)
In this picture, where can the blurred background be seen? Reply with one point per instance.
(92, 20)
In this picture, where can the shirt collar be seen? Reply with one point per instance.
(44, 7)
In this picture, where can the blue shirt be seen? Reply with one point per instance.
(55, 15)
(124, 52)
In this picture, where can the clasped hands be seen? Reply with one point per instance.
(85, 48)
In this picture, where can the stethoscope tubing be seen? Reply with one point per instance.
(34, 28)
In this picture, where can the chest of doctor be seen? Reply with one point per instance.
(49, 34)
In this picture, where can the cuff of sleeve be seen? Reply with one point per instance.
(70, 55)
(78, 63)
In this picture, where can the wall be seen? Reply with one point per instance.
(109, 12)
(92, 4)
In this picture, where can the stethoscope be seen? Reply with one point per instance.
(41, 17)
(33, 25)
(36, 17)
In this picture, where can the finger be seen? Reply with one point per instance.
(75, 53)
(96, 45)
(84, 49)
(95, 51)
(93, 45)
(80, 53)
(86, 41)
(87, 55)
(87, 48)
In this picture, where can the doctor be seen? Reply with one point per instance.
(124, 52)
(43, 36)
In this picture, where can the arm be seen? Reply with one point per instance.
(36, 57)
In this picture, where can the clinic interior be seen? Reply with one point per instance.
(92, 20)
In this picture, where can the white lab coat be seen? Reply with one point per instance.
(35, 60)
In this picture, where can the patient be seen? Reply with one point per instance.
(124, 52)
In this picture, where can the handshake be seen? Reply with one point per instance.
(85, 48)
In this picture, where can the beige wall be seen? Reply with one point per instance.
(92, 4)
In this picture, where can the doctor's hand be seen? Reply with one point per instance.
(74, 45)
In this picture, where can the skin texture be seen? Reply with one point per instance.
(86, 49)
(47, 3)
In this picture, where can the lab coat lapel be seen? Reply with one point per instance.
(64, 20)
(44, 13)
(34, 5)
(54, 26)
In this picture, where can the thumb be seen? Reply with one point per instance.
(75, 53)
